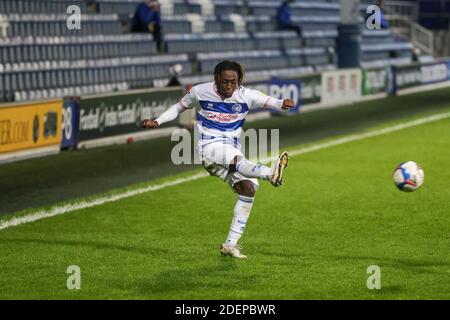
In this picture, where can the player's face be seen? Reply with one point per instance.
(228, 81)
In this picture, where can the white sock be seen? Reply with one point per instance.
(241, 213)
(253, 170)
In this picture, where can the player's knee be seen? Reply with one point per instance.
(245, 188)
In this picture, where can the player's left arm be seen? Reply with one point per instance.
(261, 100)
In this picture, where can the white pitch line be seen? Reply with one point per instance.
(59, 210)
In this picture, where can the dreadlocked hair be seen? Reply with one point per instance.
(227, 65)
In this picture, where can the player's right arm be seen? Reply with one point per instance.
(261, 100)
(187, 102)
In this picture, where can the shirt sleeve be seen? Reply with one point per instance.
(190, 99)
(258, 99)
(170, 114)
(187, 102)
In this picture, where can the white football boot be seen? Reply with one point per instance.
(282, 162)
(233, 251)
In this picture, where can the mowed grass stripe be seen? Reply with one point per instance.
(60, 210)
(314, 238)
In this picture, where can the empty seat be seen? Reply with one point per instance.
(252, 60)
(39, 25)
(309, 57)
(319, 38)
(277, 40)
(191, 43)
(176, 24)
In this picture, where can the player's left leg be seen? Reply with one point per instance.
(245, 190)
(252, 170)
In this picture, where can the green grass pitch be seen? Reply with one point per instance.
(313, 238)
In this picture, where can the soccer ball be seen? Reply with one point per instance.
(408, 176)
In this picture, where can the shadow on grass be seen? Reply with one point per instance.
(221, 277)
(410, 265)
(145, 250)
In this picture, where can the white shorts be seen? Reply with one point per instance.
(216, 158)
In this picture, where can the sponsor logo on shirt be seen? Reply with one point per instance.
(221, 117)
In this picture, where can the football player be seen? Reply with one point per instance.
(222, 106)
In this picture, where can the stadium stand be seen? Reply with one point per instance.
(41, 58)
(40, 6)
(383, 47)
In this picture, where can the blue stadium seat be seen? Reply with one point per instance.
(315, 9)
(259, 23)
(319, 38)
(376, 36)
(40, 6)
(313, 23)
(36, 77)
(41, 58)
(38, 25)
(309, 57)
(384, 51)
(277, 40)
(76, 48)
(252, 60)
(191, 43)
(215, 25)
(225, 7)
(176, 24)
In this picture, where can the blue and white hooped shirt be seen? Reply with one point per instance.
(222, 119)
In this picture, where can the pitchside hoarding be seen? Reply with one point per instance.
(30, 126)
(341, 86)
(376, 81)
(70, 121)
(420, 74)
(280, 89)
(122, 113)
(286, 89)
(448, 70)
(311, 88)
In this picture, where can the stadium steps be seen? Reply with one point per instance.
(299, 8)
(44, 94)
(39, 6)
(34, 49)
(256, 75)
(178, 7)
(380, 63)
(47, 75)
(39, 25)
(260, 59)
(380, 47)
(209, 42)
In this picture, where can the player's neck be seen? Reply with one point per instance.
(220, 94)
